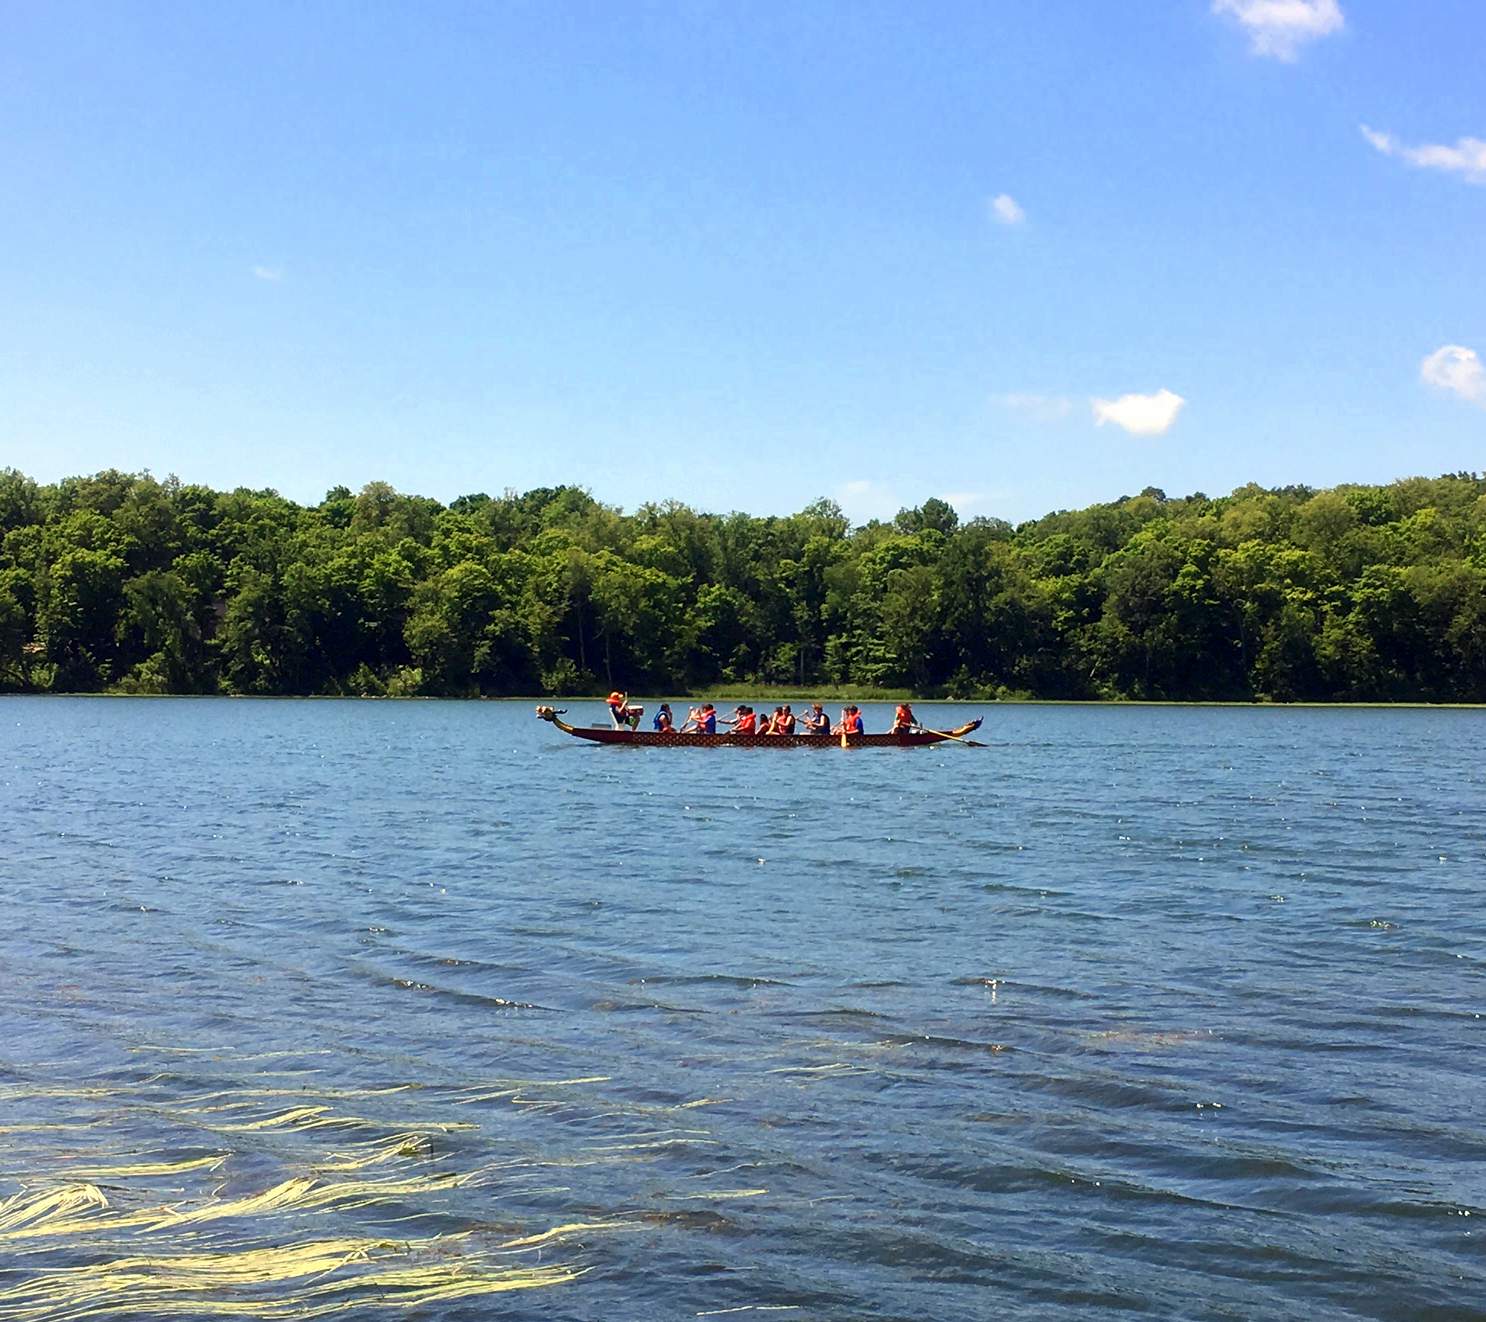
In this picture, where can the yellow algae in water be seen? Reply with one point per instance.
(143, 1169)
(20, 1092)
(571, 1228)
(30, 1211)
(287, 1193)
(497, 1089)
(300, 1119)
(56, 1214)
(249, 1095)
(303, 1193)
(377, 1151)
(200, 1284)
(718, 1193)
(55, 1227)
(45, 1128)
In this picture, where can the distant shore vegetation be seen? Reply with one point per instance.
(124, 583)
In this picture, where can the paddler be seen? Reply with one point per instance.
(816, 720)
(851, 721)
(903, 719)
(664, 722)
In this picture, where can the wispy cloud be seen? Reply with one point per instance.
(865, 499)
(273, 274)
(1037, 408)
(1279, 28)
(1140, 415)
(1466, 158)
(1457, 369)
(1006, 210)
(964, 501)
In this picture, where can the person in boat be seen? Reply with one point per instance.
(765, 725)
(744, 721)
(664, 722)
(621, 713)
(904, 719)
(701, 720)
(816, 720)
(784, 720)
(851, 721)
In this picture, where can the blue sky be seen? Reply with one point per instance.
(745, 255)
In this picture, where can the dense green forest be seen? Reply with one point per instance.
(121, 582)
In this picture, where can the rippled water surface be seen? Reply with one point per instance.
(427, 1010)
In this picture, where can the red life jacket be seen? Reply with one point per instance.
(744, 724)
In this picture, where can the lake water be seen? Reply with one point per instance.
(428, 1010)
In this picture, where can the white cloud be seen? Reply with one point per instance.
(1039, 408)
(1466, 158)
(1279, 28)
(1457, 369)
(1005, 209)
(271, 273)
(862, 500)
(964, 501)
(1140, 415)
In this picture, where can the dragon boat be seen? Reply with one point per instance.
(604, 734)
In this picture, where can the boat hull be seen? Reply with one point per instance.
(655, 739)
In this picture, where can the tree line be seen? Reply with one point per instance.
(121, 582)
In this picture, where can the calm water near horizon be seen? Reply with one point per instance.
(345, 1009)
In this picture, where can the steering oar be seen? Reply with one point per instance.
(950, 734)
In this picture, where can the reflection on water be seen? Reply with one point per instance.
(349, 1009)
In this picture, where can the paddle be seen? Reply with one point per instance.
(949, 734)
